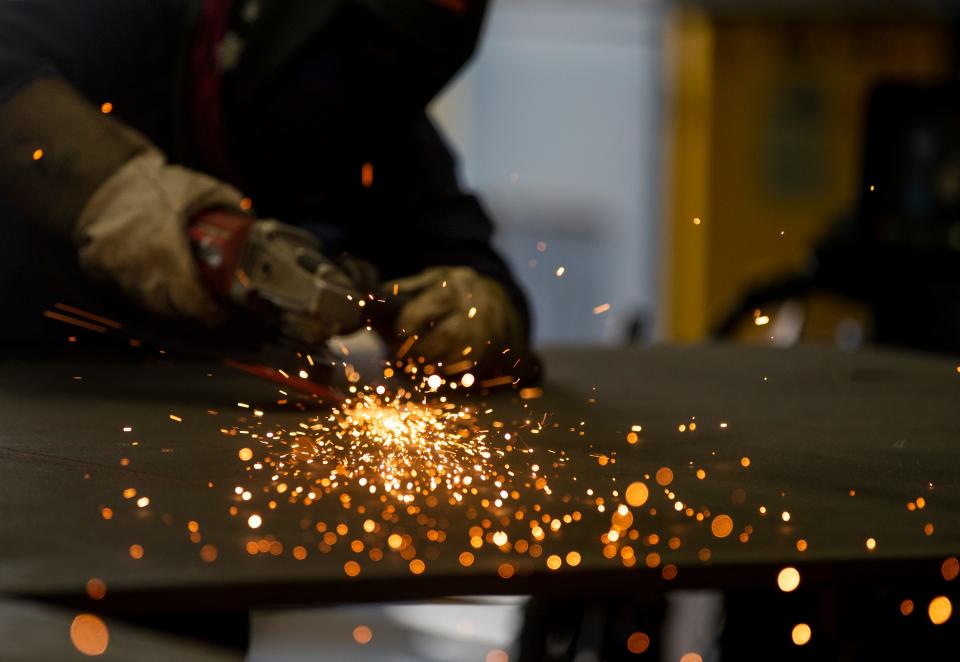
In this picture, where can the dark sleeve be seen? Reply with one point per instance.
(101, 47)
(440, 224)
(59, 60)
(28, 45)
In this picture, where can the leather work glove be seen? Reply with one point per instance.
(132, 232)
(90, 179)
(455, 308)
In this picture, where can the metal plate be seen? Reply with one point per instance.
(815, 424)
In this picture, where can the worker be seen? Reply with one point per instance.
(123, 120)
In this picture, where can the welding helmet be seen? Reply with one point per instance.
(323, 83)
(426, 41)
(356, 51)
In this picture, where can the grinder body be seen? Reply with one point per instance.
(273, 268)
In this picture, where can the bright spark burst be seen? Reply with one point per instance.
(393, 443)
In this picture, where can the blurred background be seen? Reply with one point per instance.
(767, 171)
(559, 123)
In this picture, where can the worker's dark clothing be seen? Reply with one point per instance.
(323, 121)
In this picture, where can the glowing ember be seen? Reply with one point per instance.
(721, 526)
(89, 634)
(940, 610)
(788, 579)
(664, 476)
(362, 634)
(637, 494)
(800, 634)
(638, 642)
(96, 588)
(950, 568)
(601, 309)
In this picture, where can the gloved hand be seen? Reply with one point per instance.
(132, 232)
(453, 308)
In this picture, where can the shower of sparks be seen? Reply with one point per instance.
(394, 444)
(399, 457)
(426, 469)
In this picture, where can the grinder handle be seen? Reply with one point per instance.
(218, 237)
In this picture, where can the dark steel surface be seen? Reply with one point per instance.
(815, 423)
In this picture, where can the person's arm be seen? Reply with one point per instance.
(49, 52)
(86, 177)
(56, 150)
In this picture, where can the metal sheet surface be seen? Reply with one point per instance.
(841, 442)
